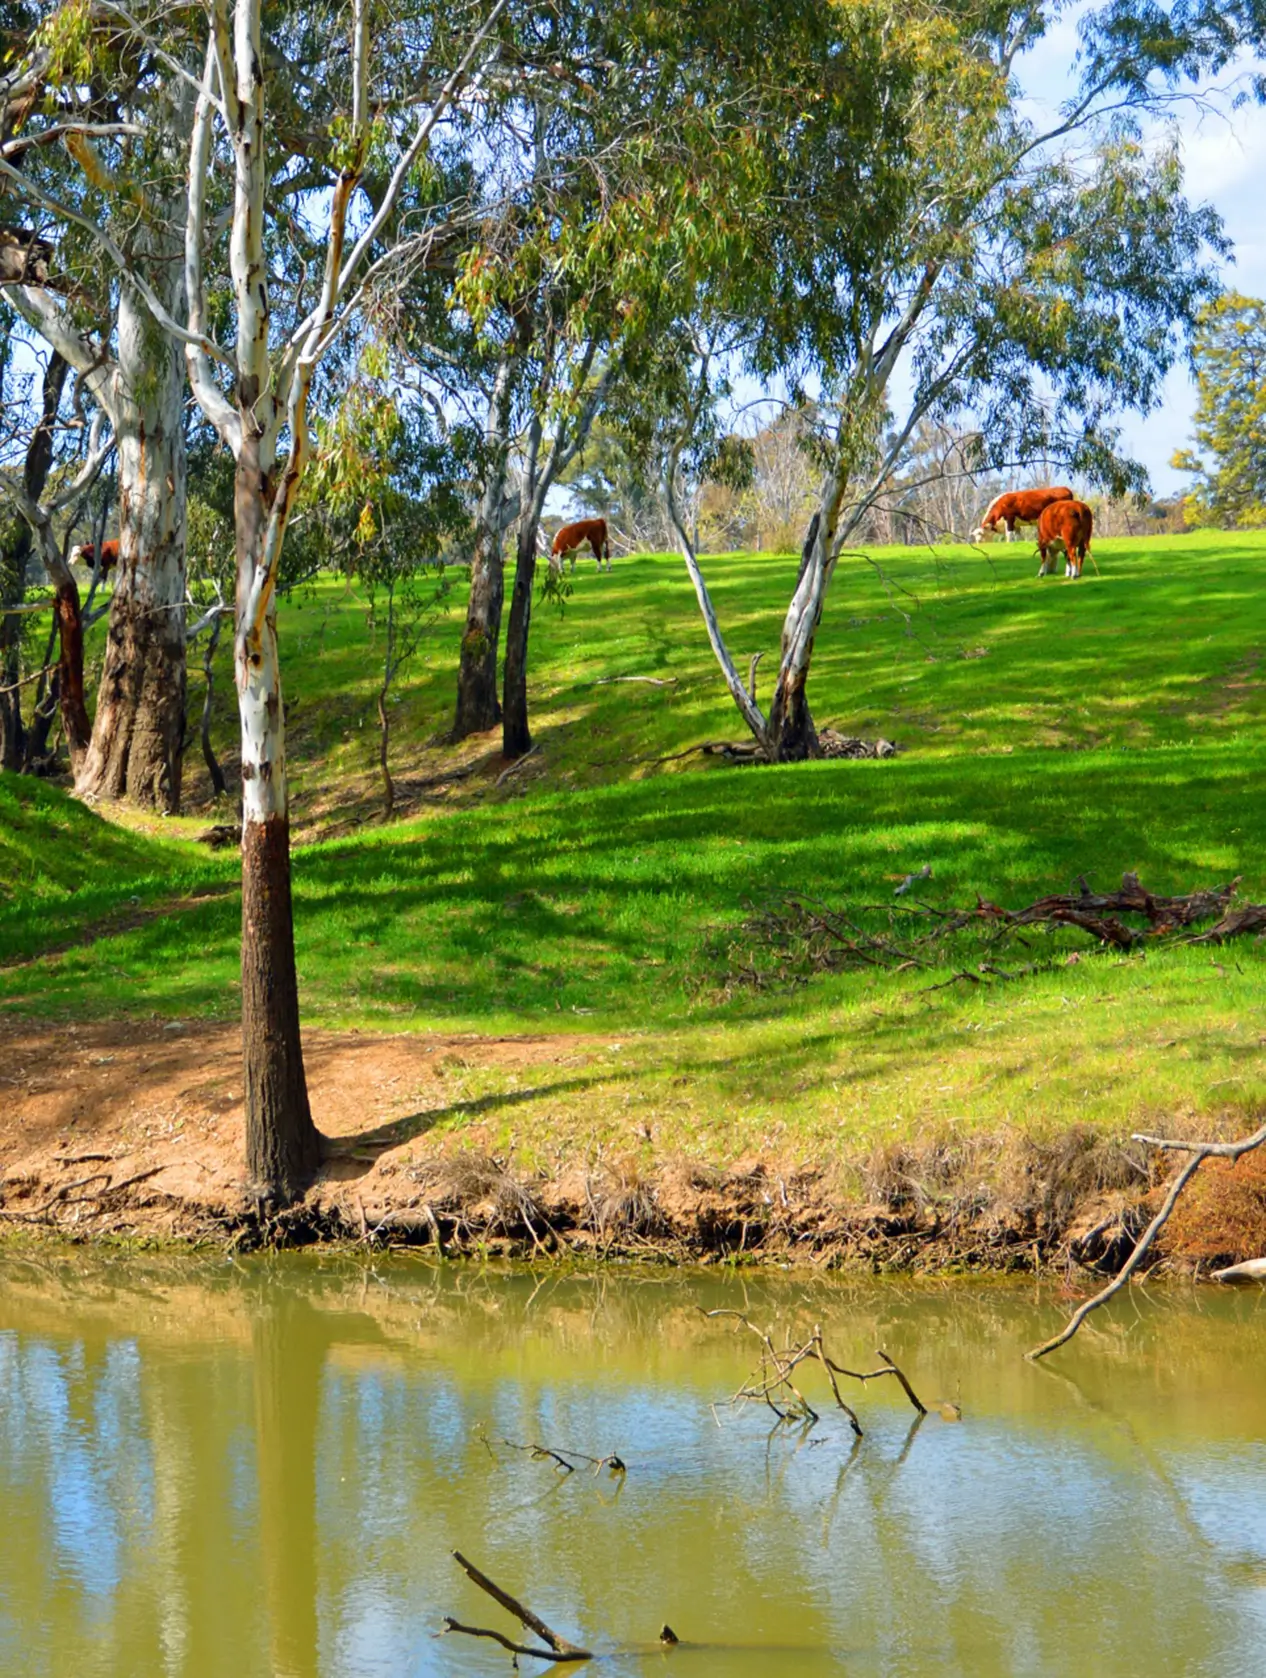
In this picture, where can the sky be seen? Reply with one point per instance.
(1223, 154)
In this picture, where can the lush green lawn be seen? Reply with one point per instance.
(1109, 725)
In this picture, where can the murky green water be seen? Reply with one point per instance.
(263, 1469)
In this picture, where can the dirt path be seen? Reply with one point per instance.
(115, 1102)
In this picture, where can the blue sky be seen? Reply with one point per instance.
(1223, 152)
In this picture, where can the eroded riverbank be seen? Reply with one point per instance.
(134, 1130)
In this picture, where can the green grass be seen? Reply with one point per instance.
(1111, 725)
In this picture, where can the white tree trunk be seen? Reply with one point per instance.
(138, 732)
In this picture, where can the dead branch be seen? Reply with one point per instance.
(1252, 1270)
(563, 1453)
(651, 681)
(804, 935)
(889, 1368)
(517, 765)
(558, 1648)
(1200, 1151)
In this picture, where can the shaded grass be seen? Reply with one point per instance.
(1110, 726)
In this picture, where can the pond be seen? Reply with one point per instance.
(264, 1468)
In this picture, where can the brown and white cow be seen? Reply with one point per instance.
(1064, 527)
(86, 554)
(574, 536)
(1020, 506)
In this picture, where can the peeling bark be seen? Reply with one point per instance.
(138, 734)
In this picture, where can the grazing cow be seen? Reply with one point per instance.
(574, 536)
(1065, 527)
(86, 554)
(1021, 506)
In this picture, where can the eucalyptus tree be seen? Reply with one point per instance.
(606, 117)
(96, 125)
(255, 391)
(923, 251)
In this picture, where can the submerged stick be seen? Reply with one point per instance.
(1200, 1151)
(560, 1648)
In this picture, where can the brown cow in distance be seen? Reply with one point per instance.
(1065, 527)
(574, 536)
(1020, 506)
(86, 554)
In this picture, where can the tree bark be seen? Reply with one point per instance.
(218, 783)
(791, 736)
(70, 672)
(138, 734)
(516, 738)
(384, 745)
(283, 1146)
(477, 705)
(15, 550)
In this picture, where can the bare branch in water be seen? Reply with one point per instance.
(1199, 1151)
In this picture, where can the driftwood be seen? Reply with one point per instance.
(556, 1648)
(771, 1383)
(1252, 1270)
(1199, 1151)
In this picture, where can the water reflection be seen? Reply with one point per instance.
(264, 1469)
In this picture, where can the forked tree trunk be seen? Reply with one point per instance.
(790, 735)
(516, 738)
(283, 1146)
(138, 734)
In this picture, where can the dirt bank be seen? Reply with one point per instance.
(126, 1129)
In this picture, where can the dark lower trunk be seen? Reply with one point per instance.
(477, 706)
(70, 673)
(792, 737)
(140, 723)
(283, 1146)
(212, 762)
(15, 548)
(44, 709)
(516, 738)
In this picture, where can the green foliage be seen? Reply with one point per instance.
(1230, 418)
(1050, 730)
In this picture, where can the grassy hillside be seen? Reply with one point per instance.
(1049, 731)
